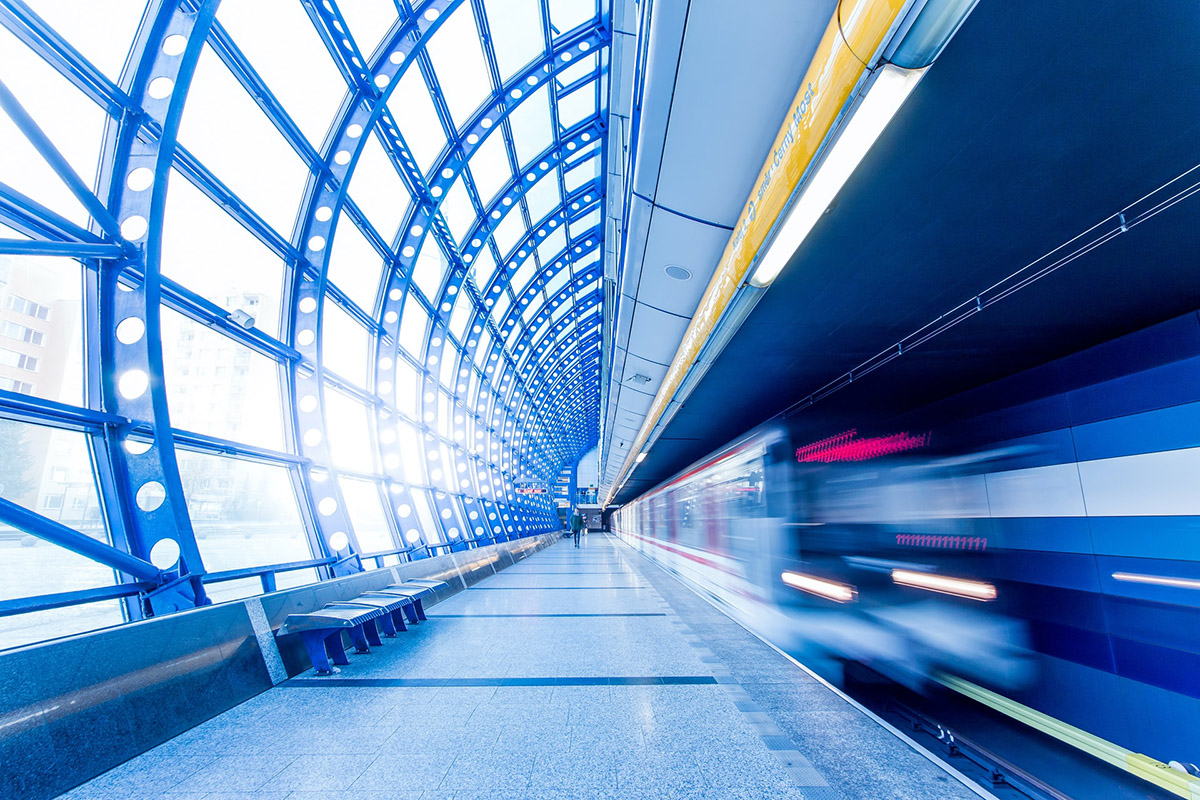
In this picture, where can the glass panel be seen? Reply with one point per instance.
(285, 50)
(490, 169)
(458, 62)
(355, 266)
(413, 321)
(378, 190)
(449, 367)
(461, 315)
(368, 21)
(429, 528)
(430, 268)
(245, 514)
(522, 277)
(510, 231)
(349, 432)
(500, 308)
(49, 471)
(419, 124)
(582, 66)
(226, 130)
(516, 28)
(458, 210)
(365, 506)
(543, 197)
(481, 351)
(411, 453)
(577, 106)
(552, 246)
(566, 15)
(407, 386)
(557, 282)
(41, 338)
(584, 173)
(210, 253)
(482, 267)
(101, 32)
(219, 387)
(531, 126)
(345, 344)
(73, 122)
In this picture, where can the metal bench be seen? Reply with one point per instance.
(417, 590)
(321, 633)
(394, 609)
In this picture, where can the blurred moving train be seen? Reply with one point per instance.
(1038, 536)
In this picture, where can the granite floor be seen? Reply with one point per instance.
(577, 673)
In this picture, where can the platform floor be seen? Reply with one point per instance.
(586, 673)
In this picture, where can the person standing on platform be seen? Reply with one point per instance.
(576, 525)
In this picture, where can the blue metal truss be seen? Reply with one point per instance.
(532, 407)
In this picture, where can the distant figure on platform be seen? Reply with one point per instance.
(576, 525)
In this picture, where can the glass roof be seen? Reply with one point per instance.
(340, 256)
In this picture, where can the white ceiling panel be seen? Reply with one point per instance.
(666, 35)
(656, 334)
(674, 240)
(727, 106)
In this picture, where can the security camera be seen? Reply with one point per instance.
(242, 318)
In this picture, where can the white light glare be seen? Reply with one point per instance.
(641, 457)
(830, 590)
(959, 587)
(1157, 580)
(882, 101)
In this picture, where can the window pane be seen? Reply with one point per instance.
(531, 126)
(584, 173)
(458, 210)
(411, 453)
(461, 315)
(345, 344)
(219, 387)
(378, 190)
(430, 268)
(210, 253)
(579, 68)
(418, 120)
(543, 197)
(552, 246)
(557, 282)
(482, 267)
(459, 65)
(429, 528)
(227, 131)
(577, 106)
(509, 232)
(285, 50)
(413, 321)
(516, 28)
(50, 472)
(490, 169)
(566, 15)
(355, 266)
(349, 432)
(368, 21)
(367, 515)
(407, 385)
(100, 31)
(73, 122)
(245, 514)
(41, 339)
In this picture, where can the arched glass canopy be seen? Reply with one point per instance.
(288, 289)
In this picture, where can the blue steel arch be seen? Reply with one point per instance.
(129, 427)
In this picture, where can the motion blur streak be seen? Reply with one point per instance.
(959, 587)
(838, 592)
(1159, 580)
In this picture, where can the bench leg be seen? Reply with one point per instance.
(411, 612)
(388, 625)
(420, 607)
(314, 643)
(372, 632)
(360, 639)
(336, 648)
(397, 618)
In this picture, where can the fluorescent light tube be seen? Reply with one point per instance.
(889, 91)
